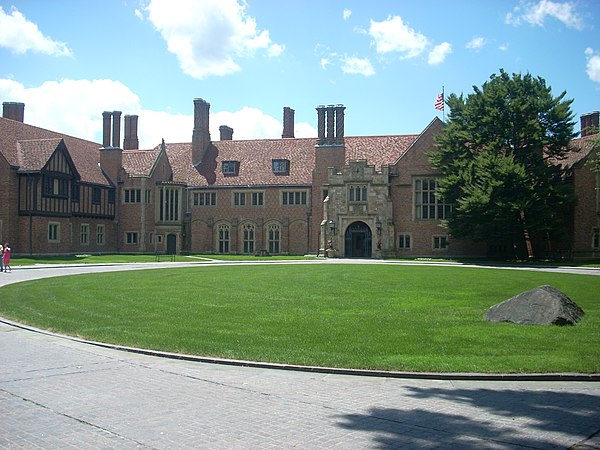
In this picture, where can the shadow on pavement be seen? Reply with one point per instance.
(502, 416)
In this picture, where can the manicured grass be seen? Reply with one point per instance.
(138, 258)
(356, 316)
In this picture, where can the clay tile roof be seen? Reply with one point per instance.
(255, 159)
(579, 148)
(255, 162)
(33, 155)
(85, 154)
(140, 162)
(378, 150)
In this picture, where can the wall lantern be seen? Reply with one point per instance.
(333, 226)
(378, 226)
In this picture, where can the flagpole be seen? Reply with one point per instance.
(444, 105)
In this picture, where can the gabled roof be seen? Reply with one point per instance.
(84, 154)
(34, 155)
(378, 150)
(255, 159)
(579, 150)
(140, 162)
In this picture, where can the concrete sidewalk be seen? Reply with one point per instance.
(57, 393)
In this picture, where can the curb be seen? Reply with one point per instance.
(595, 377)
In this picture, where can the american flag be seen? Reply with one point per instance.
(439, 102)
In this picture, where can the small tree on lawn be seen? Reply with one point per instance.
(495, 157)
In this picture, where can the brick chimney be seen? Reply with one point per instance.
(116, 129)
(226, 133)
(13, 111)
(131, 141)
(106, 119)
(201, 133)
(330, 124)
(339, 121)
(288, 122)
(111, 156)
(590, 123)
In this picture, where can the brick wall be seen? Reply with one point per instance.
(290, 218)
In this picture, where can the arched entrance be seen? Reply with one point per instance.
(358, 241)
(171, 244)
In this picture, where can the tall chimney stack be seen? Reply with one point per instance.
(590, 123)
(13, 111)
(116, 129)
(330, 125)
(201, 133)
(106, 118)
(131, 141)
(288, 122)
(321, 122)
(339, 121)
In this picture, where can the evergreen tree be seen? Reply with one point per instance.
(497, 156)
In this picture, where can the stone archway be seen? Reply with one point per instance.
(358, 240)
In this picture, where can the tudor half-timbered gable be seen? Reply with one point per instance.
(50, 185)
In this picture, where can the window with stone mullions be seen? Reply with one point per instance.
(427, 204)
(133, 195)
(205, 199)
(293, 198)
(357, 194)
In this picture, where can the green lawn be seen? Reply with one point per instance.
(387, 317)
(137, 258)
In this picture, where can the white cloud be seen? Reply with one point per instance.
(325, 62)
(393, 35)
(477, 43)
(347, 13)
(536, 13)
(593, 65)
(439, 53)
(20, 36)
(360, 66)
(209, 36)
(304, 130)
(57, 106)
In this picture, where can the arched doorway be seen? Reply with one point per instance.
(171, 244)
(358, 241)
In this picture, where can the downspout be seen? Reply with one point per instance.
(143, 216)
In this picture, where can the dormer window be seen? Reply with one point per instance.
(281, 166)
(230, 167)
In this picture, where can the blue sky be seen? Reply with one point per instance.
(386, 61)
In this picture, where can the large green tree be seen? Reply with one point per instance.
(497, 156)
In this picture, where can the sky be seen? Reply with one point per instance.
(385, 60)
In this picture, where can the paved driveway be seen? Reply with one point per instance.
(57, 393)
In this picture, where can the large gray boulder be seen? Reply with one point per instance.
(544, 305)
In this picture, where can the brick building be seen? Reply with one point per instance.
(352, 196)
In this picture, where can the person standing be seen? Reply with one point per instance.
(1, 258)
(6, 257)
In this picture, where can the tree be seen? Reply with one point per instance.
(497, 157)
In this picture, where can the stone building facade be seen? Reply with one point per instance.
(338, 195)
